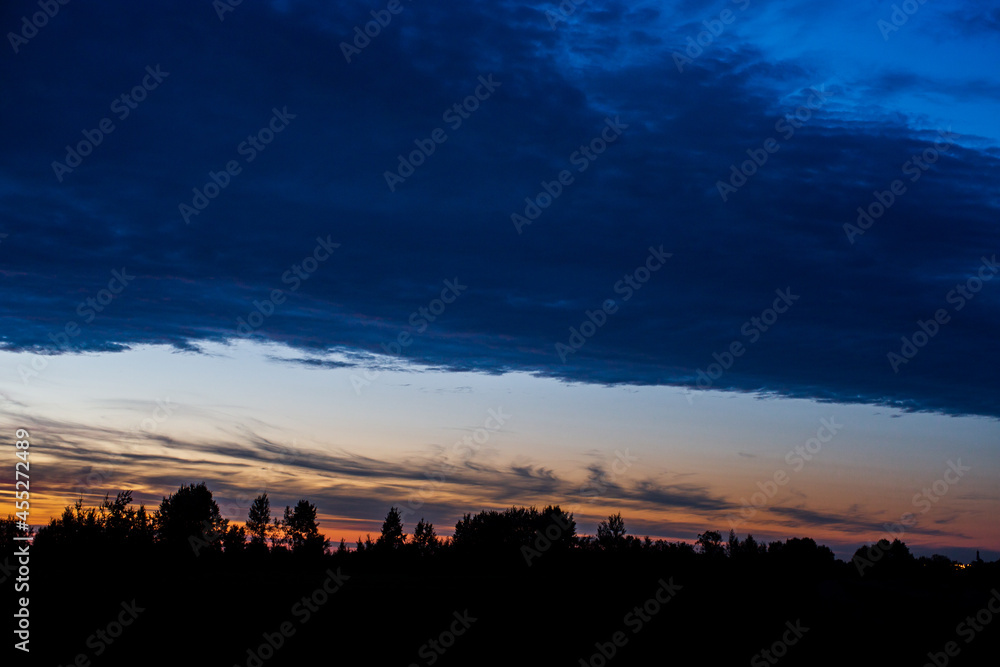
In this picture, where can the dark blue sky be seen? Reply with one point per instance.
(554, 87)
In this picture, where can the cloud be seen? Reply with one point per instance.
(89, 461)
(848, 522)
(323, 177)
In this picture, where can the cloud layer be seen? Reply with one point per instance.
(283, 198)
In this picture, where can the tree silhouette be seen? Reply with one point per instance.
(792, 574)
(710, 542)
(392, 536)
(76, 527)
(190, 519)
(494, 532)
(424, 539)
(8, 531)
(732, 544)
(113, 525)
(302, 530)
(884, 558)
(259, 520)
(235, 540)
(559, 527)
(611, 533)
(518, 532)
(750, 548)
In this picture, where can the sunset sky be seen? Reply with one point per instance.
(644, 258)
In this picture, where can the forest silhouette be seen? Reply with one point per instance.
(512, 586)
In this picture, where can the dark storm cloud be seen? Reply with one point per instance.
(343, 126)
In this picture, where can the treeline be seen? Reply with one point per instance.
(188, 522)
(215, 593)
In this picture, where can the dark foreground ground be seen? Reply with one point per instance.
(564, 609)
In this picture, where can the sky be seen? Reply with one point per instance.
(308, 247)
